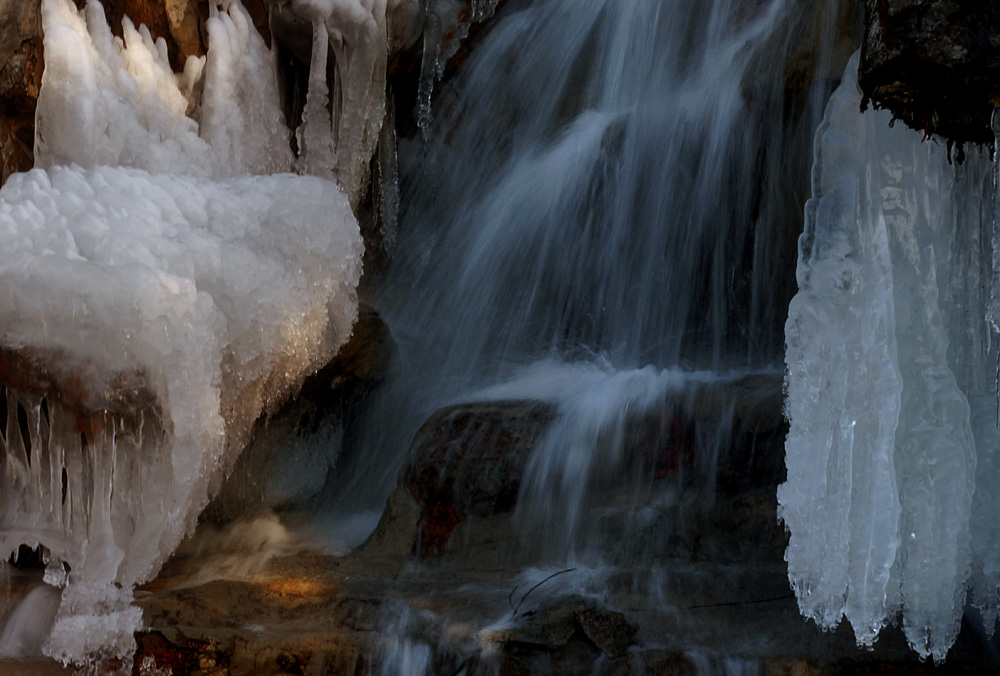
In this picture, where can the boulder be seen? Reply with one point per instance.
(468, 460)
(935, 64)
(459, 492)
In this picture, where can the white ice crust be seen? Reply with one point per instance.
(890, 388)
(156, 241)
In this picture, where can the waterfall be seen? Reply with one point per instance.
(598, 213)
(605, 202)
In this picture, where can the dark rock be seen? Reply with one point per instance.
(564, 635)
(935, 64)
(154, 650)
(291, 451)
(471, 456)
(405, 60)
(57, 379)
(607, 629)
(468, 460)
(20, 80)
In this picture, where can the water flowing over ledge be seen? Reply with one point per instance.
(595, 247)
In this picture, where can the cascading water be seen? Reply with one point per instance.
(598, 216)
(607, 193)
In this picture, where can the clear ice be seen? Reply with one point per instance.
(891, 385)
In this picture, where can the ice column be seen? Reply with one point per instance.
(985, 584)
(355, 31)
(881, 454)
(841, 501)
(106, 101)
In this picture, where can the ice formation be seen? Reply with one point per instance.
(891, 389)
(158, 297)
(217, 296)
(109, 101)
(340, 144)
(445, 26)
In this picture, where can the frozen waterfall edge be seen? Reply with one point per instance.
(889, 387)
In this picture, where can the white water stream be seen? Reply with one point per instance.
(599, 212)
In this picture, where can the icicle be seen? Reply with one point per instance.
(317, 155)
(993, 307)
(875, 311)
(441, 20)
(388, 179)
(843, 390)
(430, 69)
(985, 583)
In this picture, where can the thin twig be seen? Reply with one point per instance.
(527, 593)
(510, 598)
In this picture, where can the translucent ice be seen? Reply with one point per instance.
(108, 101)
(355, 31)
(446, 24)
(885, 383)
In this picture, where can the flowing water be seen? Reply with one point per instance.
(599, 213)
(601, 216)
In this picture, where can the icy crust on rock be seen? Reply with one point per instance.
(113, 101)
(220, 295)
(177, 296)
(888, 387)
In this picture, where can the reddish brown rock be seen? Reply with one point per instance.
(20, 80)
(468, 460)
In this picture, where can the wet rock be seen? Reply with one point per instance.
(549, 626)
(564, 635)
(155, 651)
(471, 456)
(935, 64)
(607, 629)
(292, 451)
(74, 384)
(20, 79)
(468, 460)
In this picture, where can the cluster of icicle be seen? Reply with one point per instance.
(167, 243)
(444, 29)
(893, 474)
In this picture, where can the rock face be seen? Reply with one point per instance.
(456, 501)
(291, 451)
(935, 64)
(20, 79)
(469, 461)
